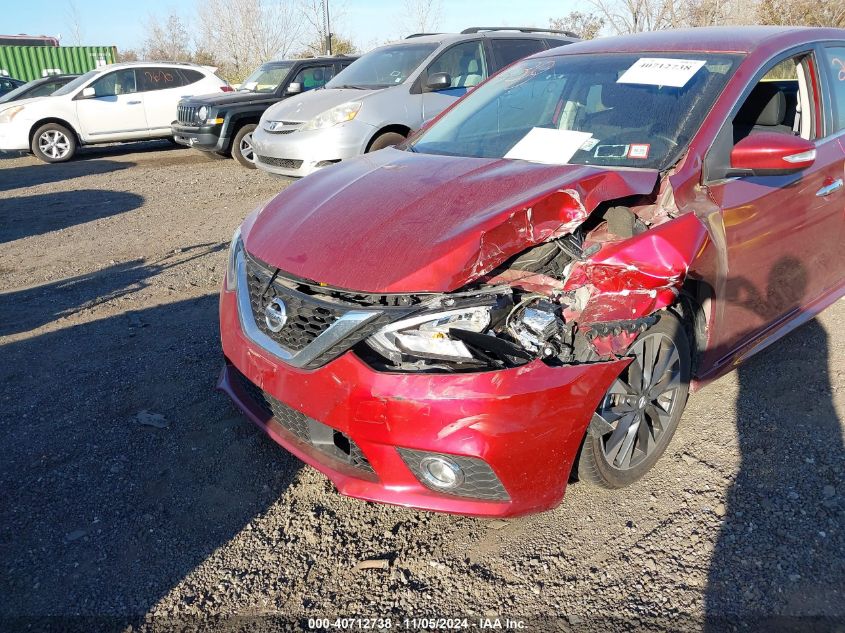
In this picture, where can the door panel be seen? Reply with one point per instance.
(162, 88)
(782, 238)
(116, 111)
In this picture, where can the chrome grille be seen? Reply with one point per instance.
(307, 317)
(186, 114)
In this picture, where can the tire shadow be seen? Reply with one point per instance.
(25, 216)
(102, 513)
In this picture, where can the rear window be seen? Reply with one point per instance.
(505, 52)
(158, 78)
(190, 76)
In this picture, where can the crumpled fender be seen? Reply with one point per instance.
(633, 278)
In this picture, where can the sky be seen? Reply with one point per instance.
(367, 22)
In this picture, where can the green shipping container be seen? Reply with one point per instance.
(33, 62)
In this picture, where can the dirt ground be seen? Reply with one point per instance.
(132, 494)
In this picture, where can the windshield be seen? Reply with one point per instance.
(603, 109)
(266, 78)
(76, 83)
(383, 67)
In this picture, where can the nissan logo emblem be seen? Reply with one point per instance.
(275, 315)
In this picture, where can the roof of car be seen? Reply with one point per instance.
(722, 39)
(442, 38)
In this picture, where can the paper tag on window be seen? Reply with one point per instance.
(661, 71)
(639, 150)
(589, 144)
(549, 146)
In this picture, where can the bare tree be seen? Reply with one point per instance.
(803, 12)
(246, 33)
(421, 16)
(73, 20)
(167, 40)
(636, 16)
(586, 25)
(317, 24)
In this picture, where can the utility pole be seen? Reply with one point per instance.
(328, 26)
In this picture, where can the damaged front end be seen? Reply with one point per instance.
(594, 278)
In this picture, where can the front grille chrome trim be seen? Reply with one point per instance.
(348, 323)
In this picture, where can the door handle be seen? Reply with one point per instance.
(133, 102)
(836, 185)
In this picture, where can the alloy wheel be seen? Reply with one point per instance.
(54, 144)
(246, 148)
(638, 408)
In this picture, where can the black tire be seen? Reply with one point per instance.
(242, 146)
(388, 139)
(53, 143)
(607, 459)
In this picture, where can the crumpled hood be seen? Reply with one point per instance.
(306, 106)
(396, 221)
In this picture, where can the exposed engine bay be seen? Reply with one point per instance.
(584, 296)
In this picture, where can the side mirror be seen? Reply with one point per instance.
(294, 88)
(771, 154)
(439, 81)
(88, 92)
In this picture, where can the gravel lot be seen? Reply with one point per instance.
(133, 495)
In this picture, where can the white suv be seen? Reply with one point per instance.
(120, 102)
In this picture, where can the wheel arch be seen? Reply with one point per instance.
(59, 121)
(693, 308)
(396, 128)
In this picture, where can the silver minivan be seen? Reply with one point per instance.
(386, 94)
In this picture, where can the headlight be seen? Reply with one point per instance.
(235, 247)
(8, 114)
(428, 336)
(202, 113)
(339, 114)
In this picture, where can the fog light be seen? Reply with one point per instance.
(441, 472)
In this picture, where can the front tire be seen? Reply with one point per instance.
(242, 150)
(53, 143)
(388, 139)
(640, 412)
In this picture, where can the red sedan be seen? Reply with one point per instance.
(529, 288)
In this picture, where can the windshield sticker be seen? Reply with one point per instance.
(589, 144)
(612, 151)
(639, 150)
(659, 71)
(548, 146)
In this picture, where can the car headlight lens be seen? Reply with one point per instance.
(235, 248)
(202, 113)
(428, 336)
(8, 114)
(339, 114)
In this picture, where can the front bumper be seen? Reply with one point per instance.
(208, 138)
(526, 423)
(14, 136)
(300, 153)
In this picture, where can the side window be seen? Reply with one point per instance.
(190, 76)
(313, 77)
(44, 89)
(782, 101)
(506, 52)
(120, 82)
(159, 78)
(464, 63)
(6, 85)
(835, 60)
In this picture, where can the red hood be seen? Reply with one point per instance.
(396, 221)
